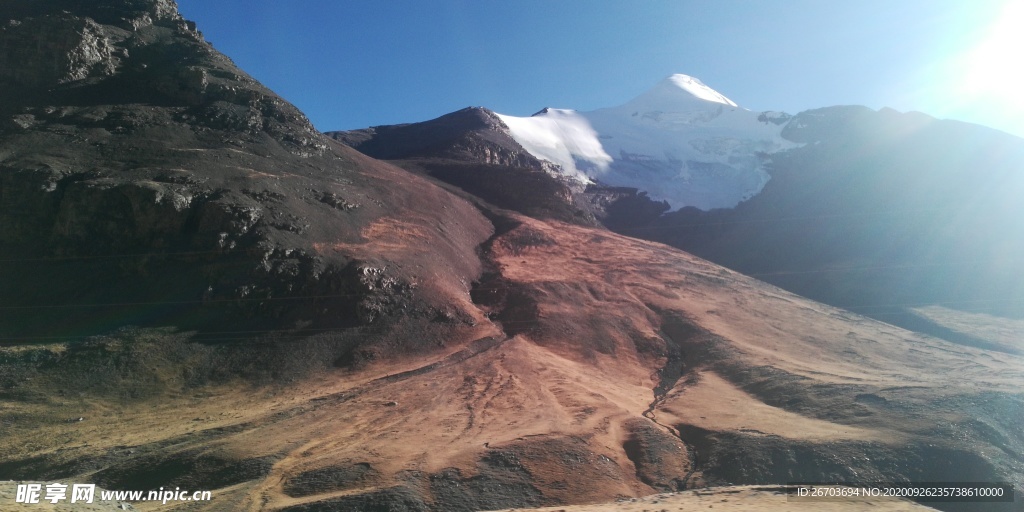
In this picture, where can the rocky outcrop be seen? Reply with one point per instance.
(473, 150)
(132, 52)
(42, 52)
(138, 166)
(473, 134)
(52, 42)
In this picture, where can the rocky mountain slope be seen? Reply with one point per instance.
(203, 292)
(473, 150)
(879, 212)
(874, 211)
(162, 185)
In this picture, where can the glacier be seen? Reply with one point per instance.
(681, 142)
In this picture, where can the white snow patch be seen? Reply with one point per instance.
(681, 142)
(562, 137)
(698, 89)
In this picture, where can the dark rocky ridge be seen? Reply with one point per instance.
(472, 134)
(472, 149)
(142, 169)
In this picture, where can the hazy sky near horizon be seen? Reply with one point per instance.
(351, 64)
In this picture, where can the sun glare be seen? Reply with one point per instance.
(993, 67)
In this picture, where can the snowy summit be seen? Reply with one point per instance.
(693, 86)
(681, 141)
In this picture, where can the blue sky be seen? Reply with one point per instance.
(351, 64)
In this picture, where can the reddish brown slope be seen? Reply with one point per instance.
(593, 352)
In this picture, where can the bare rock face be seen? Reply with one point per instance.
(473, 134)
(121, 13)
(130, 52)
(140, 166)
(42, 52)
(46, 43)
(472, 149)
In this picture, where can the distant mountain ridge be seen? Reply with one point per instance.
(473, 149)
(876, 211)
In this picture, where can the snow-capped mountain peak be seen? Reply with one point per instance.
(681, 141)
(669, 89)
